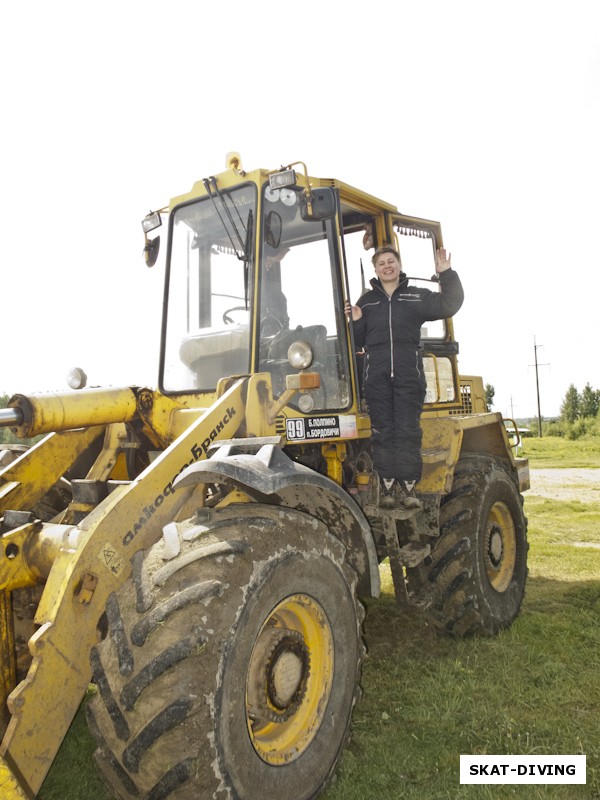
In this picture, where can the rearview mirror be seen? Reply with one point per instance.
(317, 204)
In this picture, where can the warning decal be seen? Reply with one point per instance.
(111, 559)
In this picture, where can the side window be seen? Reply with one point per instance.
(439, 377)
(417, 256)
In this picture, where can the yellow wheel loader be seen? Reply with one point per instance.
(199, 552)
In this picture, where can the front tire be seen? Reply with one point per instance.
(231, 663)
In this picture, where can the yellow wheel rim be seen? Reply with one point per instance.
(500, 547)
(289, 679)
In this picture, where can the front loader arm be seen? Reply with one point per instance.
(24, 482)
(79, 584)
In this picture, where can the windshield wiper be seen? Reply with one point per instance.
(207, 185)
(247, 246)
(244, 246)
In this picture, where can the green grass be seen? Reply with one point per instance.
(556, 452)
(428, 698)
(532, 690)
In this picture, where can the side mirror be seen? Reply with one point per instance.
(151, 249)
(273, 229)
(150, 222)
(318, 204)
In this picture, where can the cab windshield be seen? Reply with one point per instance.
(209, 278)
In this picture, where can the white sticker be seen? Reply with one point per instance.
(348, 427)
(311, 428)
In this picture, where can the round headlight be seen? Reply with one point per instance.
(76, 378)
(306, 403)
(288, 197)
(300, 355)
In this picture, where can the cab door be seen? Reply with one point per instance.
(301, 300)
(417, 241)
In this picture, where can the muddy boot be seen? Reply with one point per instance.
(405, 495)
(387, 493)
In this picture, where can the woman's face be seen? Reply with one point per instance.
(387, 267)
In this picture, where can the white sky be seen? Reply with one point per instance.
(483, 116)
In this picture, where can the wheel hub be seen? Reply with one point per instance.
(495, 547)
(289, 679)
(286, 674)
(500, 545)
(278, 675)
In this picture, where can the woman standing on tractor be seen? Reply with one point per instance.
(387, 322)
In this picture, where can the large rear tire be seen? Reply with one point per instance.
(475, 578)
(231, 662)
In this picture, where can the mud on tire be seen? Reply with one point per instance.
(231, 661)
(475, 578)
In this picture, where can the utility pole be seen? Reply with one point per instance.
(537, 384)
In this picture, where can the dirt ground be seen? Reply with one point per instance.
(566, 484)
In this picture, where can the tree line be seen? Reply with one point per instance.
(579, 414)
(580, 405)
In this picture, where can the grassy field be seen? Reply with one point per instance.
(535, 689)
(554, 452)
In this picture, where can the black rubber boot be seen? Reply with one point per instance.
(405, 495)
(387, 493)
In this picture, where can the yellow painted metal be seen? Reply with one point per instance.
(472, 388)
(115, 437)
(277, 743)
(15, 571)
(8, 665)
(442, 439)
(24, 482)
(180, 419)
(225, 180)
(9, 786)
(523, 474)
(61, 412)
(235, 496)
(363, 426)
(500, 547)
(260, 400)
(335, 455)
(165, 418)
(446, 437)
(29, 551)
(81, 581)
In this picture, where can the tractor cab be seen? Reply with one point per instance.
(259, 266)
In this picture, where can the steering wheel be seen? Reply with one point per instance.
(271, 326)
(229, 320)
